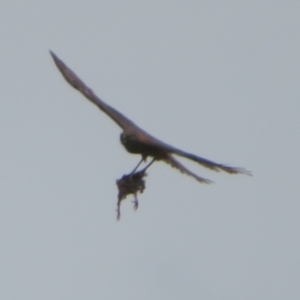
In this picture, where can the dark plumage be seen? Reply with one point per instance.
(136, 140)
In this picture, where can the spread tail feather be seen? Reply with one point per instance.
(177, 165)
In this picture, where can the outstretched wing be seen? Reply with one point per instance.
(212, 165)
(78, 84)
(154, 142)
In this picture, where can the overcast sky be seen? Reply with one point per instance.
(218, 79)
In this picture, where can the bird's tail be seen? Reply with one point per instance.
(176, 164)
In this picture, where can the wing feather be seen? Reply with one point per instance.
(78, 84)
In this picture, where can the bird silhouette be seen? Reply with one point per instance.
(138, 141)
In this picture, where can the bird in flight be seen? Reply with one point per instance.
(138, 141)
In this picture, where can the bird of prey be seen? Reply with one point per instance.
(138, 141)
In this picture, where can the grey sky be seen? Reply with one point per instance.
(220, 80)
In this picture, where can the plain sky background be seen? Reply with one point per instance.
(216, 78)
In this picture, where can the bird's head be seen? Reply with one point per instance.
(125, 138)
(130, 142)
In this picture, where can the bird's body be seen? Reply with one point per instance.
(135, 146)
(138, 141)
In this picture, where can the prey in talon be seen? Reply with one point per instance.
(138, 141)
(132, 183)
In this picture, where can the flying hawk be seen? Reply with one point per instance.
(138, 141)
